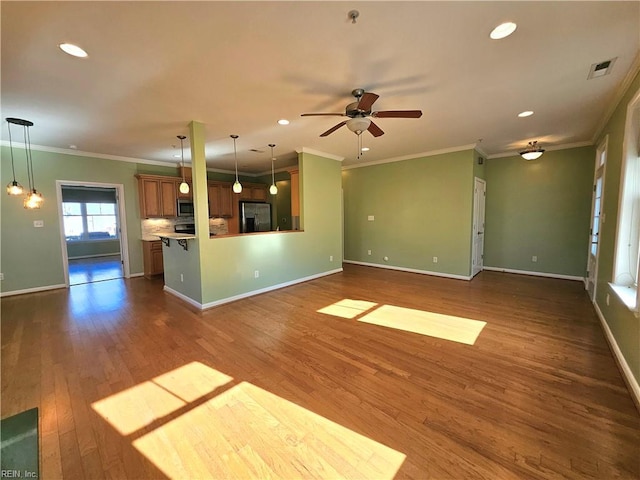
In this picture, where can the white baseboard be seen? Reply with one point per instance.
(534, 274)
(133, 275)
(33, 290)
(252, 293)
(411, 270)
(631, 381)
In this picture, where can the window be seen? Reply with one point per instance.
(89, 221)
(627, 258)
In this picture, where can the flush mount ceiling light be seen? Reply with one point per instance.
(526, 113)
(237, 186)
(184, 186)
(73, 50)
(503, 30)
(532, 151)
(34, 198)
(273, 190)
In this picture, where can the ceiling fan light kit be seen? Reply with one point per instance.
(360, 113)
(532, 152)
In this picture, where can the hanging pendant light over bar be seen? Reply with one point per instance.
(33, 199)
(237, 187)
(184, 186)
(13, 188)
(273, 190)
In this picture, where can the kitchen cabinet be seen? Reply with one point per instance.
(255, 192)
(157, 196)
(220, 200)
(152, 258)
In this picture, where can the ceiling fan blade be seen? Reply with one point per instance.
(398, 114)
(375, 130)
(318, 114)
(366, 101)
(333, 129)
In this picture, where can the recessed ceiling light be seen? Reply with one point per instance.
(503, 30)
(176, 156)
(73, 50)
(365, 149)
(526, 113)
(283, 121)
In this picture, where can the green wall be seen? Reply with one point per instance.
(624, 326)
(539, 208)
(228, 264)
(80, 249)
(422, 209)
(32, 257)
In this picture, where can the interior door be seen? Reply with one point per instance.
(596, 220)
(479, 193)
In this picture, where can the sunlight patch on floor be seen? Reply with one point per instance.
(248, 432)
(241, 432)
(347, 308)
(136, 407)
(447, 327)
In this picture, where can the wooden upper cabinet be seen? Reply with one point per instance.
(220, 200)
(157, 196)
(255, 192)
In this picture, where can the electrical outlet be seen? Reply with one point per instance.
(181, 277)
(534, 258)
(331, 258)
(368, 252)
(256, 274)
(435, 259)
(1, 276)
(371, 218)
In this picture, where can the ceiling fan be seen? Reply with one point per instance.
(359, 113)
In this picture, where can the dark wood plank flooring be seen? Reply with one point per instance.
(538, 396)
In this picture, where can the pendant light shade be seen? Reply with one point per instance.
(184, 186)
(532, 151)
(273, 190)
(13, 187)
(33, 199)
(237, 186)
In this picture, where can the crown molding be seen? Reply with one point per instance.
(413, 156)
(622, 89)
(312, 151)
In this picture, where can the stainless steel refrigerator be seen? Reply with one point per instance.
(255, 217)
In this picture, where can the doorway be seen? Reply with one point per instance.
(93, 237)
(479, 193)
(596, 212)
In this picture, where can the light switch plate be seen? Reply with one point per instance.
(38, 223)
(371, 218)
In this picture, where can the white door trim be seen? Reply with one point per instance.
(122, 224)
(477, 236)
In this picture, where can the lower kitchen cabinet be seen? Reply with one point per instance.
(152, 258)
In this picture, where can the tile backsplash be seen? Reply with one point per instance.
(152, 226)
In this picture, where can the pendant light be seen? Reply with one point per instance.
(237, 187)
(184, 186)
(273, 190)
(532, 151)
(13, 188)
(34, 198)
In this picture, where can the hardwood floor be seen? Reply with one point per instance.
(133, 383)
(97, 269)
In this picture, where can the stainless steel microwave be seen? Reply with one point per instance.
(185, 208)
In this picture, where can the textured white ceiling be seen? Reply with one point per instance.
(240, 66)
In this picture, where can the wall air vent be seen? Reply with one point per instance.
(601, 69)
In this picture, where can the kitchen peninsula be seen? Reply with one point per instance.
(226, 268)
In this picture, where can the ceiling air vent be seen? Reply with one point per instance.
(601, 69)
